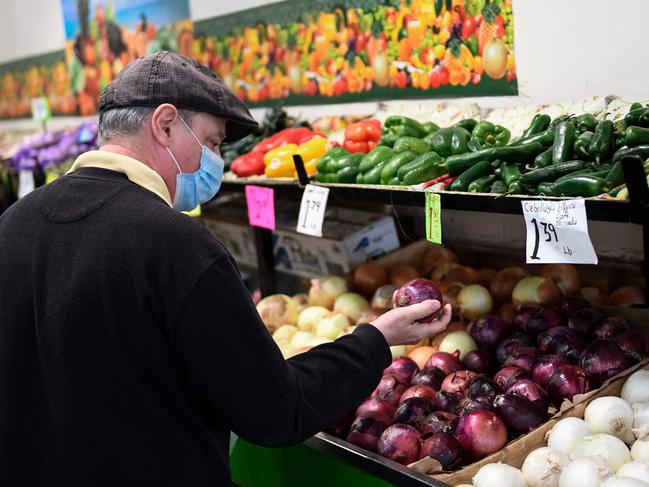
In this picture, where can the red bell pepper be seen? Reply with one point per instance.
(292, 135)
(251, 164)
(362, 136)
(352, 146)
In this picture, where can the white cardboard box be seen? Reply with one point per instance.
(350, 237)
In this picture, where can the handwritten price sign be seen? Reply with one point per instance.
(433, 218)
(557, 232)
(261, 207)
(312, 210)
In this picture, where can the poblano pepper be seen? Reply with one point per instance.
(491, 135)
(585, 123)
(564, 139)
(539, 123)
(602, 145)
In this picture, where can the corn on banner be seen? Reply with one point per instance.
(318, 51)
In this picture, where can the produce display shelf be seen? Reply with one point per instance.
(371, 463)
(597, 209)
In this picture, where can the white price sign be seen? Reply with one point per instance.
(25, 182)
(312, 210)
(41, 109)
(557, 232)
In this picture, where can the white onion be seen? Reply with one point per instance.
(474, 301)
(542, 467)
(641, 419)
(640, 450)
(324, 291)
(284, 333)
(351, 304)
(610, 448)
(499, 475)
(612, 415)
(565, 435)
(637, 470)
(585, 472)
(331, 326)
(636, 387)
(458, 340)
(310, 317)
(301, 339)
(622, 481)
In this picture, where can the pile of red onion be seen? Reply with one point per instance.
(459, 411)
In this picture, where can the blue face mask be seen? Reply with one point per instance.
(198, 187)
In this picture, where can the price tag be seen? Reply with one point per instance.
(557, 232)
(312, 210)
(25, 182)
(41, 109)
(261, 207)
(433, 218)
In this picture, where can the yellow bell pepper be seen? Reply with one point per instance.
(311, 151)
(279, 161)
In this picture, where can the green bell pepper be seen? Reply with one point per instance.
(474, 145)
(634, 136)
(490, 135)
(388, 139)
(335, 153)
(374, 157)
(638, 115)
(468, 124)
(564, 139)
(602, 145)
(582, 144)
(539, 123)
(448, 141)
(411, 144)
(401, 121)
(346, 175)
(430, 127)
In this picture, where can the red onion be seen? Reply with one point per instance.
(532, 391)
(519, 321)
(419, 391)
(483, 387)
(481, 433)
(571, 348)
(511, 343)
(444, 448)
(412, 411)
(439, 421)
(446, 362)
(390, 389)
(478, 361)
(488, 331)
(524, 358)
(613, 327)
(508, 376)
(569, 305)
(584, 320)
(417, 291)
(447, 402)
(566, 382)
(429, 377)
(458, 382)
(400, 443)
(602, 360)
(365, 432)
(542, 320)
(402, 368)
(634, 345)
(340, 429)
(550, 340)
(376, 408)
(519, 413)
(545, 367)
(468, 405)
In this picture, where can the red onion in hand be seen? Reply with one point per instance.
(412, 411)
(444, 448)
(531, 391)
(417, 291)
(481, 433)
(545, 367)
(488, 331)
(508, 376)
(519, 413)
(446, 362)
(602, 360)
(566, 382)
(402, 368)
(439, 421)
(400, 443)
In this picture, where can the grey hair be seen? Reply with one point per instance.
(127, 122)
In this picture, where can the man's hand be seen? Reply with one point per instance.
(400, 326)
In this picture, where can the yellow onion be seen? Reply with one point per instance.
(331, 326)
(535, 290)
(285, 333)
(277, 310)
(458, 340)
(325, 291)
(474, 301)
(310, 317)
(352, 305)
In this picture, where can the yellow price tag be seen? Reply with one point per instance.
(195, 213)
(433, 218)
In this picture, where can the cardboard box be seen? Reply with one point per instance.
(350, 237)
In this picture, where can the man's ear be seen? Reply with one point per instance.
(164, 121)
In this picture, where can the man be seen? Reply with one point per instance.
(129, 347)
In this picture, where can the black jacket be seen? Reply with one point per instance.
(129, 347)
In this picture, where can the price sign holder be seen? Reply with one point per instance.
(433, 218)
(261, 207)
(312, 210)
(557, 232)
(41, 111)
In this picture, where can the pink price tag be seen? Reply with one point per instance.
(261, 207)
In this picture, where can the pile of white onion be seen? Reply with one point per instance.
(608, 448)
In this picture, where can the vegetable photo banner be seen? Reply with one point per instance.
(332, 51)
